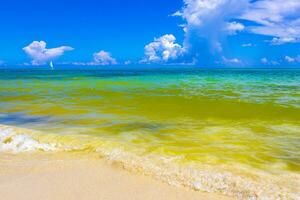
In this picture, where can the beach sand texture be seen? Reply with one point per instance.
(73, 176)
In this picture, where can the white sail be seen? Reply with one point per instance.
(51, 65)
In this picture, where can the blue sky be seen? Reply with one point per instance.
(158, 32)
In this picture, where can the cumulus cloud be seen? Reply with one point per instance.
(163, 49)
(290, 59)
(41, 55)
(103, 58)
(213, 20)
(208, 23)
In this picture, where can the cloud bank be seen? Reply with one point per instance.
(99, 58)
(40, 55)
(208, 23)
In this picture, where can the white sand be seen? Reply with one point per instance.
(72, 176)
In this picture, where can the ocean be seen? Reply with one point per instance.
(232, 131)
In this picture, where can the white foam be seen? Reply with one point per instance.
(205, 179)
(10, 141)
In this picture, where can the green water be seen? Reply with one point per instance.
(232, 118)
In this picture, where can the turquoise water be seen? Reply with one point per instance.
(238, 130)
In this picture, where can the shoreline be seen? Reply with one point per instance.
(71, 176)
(31, 158)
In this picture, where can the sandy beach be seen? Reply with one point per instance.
(72, 176)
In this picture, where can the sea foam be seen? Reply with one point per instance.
(210, 179)
(10, 141)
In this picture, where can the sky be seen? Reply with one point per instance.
(204, 33)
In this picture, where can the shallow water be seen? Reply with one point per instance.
(242, 122)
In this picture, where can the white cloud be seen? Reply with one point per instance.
(99, 58)
(290, 59)
(103, 58)
(234, 27)
(265, 61)
(213, 20)
(277, 18)
(248, 45)
(273, 62)
(163, 49)
(41, 55)
(231, 60)
(283, 40)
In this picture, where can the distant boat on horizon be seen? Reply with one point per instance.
(51, 65)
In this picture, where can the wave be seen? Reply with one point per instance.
(237, 181)
(10, 141)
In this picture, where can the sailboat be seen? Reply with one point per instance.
(51, 65)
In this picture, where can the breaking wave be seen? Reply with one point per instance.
(11, 141)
